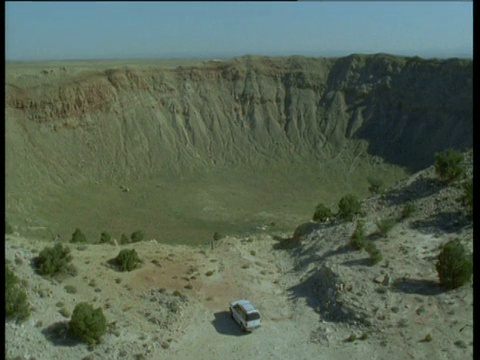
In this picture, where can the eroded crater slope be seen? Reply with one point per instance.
(120, 146)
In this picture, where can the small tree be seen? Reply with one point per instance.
(448, 165)
(408, 210)
(124, 239)
(375, 184)
(78, 236)
(217, 236)
(8, 228)
(137, 236)
(127, 260)
(357, 240)
(467, 198)
(16, 304)
(54, 260)
(454, 267)
(385, 225)
(105, 237)
(322, 213)
(374, 252)
(348, 207)
(87, 324)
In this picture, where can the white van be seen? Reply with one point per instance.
(247, 315)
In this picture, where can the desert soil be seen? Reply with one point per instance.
(312, 298)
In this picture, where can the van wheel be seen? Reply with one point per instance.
(231, 313)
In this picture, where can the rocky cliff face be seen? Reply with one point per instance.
(110, 123)
(250, 109)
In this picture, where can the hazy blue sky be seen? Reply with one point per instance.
(88, 30)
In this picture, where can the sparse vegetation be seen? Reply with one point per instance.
(385, 225)
(70, 289)
(137, 236)
(357, 240)
(348, 207)
(124, 239)
(375, 184)
(105, 237)
(78, 236)
(374, 252)
(467, 198)
(16, 303)
(420, 310)
(352, 337)
(427, 338)
(54, 260)
(322, 213)
(8, 228)
(408, 210)
(217, 236)
(454, 267)
(127, 259)
(64, 312)
(448, 165)
(82, 247)
(87, 324)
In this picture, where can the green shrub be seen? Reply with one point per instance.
(127, 259)
(124, 239)
(448, 165)
(16, 304)
(70, 289)
(428, 338)
(375, 184)
(461, 344)
(137, 236)
(408, 209)
(374, 252)
(54, 260)
(352, 337)
(357, 240)
(454, 267)
(105, 238)
(385, 225)
(78, 236)
(8, 228)
(467, 198)
(64, 312)
(217, 236)
(87, 324)
(348, 207)
(322, 213)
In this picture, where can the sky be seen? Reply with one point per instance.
(135, 30)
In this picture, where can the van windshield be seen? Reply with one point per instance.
(253, 316)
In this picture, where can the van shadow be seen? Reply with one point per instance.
(225, 325)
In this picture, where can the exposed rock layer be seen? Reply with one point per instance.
(271, 133)
(249, 110)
